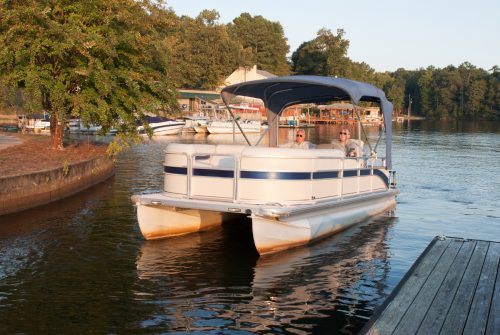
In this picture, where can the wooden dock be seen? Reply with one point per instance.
(453, 288)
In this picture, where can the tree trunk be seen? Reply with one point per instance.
(57, 132)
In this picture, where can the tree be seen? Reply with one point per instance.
(445, 92)
(424, 83)
(204, 52)
(493, 94)
(360, 71)
(395, 90)
(265, 39)
(326, 55)
(309, 60)
(102, 61)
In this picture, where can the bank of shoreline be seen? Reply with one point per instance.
(34, 178)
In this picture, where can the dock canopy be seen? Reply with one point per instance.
(277, 93)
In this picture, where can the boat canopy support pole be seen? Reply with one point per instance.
(356, 110)
(237, 123)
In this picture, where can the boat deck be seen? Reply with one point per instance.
(274, 210)
(453, 288)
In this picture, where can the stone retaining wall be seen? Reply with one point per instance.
(21, 192)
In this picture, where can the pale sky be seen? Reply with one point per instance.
(385, 34)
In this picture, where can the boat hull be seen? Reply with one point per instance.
(276, 234)
(201, 129)
(162, 126)
(274, 228)
(167, 130)
(218, 127)
(159, 222)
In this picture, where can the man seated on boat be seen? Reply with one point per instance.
(300, 142)
(346, 144)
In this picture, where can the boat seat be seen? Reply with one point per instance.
(329, 152)
(226, 161)
(292, 152)
(189, 148)
(175, 153)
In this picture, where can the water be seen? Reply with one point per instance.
(80, 266)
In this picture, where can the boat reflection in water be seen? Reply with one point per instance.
(291, 291)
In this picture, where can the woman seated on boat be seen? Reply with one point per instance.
(300, 142)
(344, 143)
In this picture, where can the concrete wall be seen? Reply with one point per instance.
(21, 192)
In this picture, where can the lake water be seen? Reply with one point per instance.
(81, 266)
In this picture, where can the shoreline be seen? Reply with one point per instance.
(33, 174)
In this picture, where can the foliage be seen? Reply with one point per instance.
(111, 62)
(204, 52)
(102, 61)
(463, 92)
(326, 55)
(264, 39)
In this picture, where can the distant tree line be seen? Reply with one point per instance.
(111, 62)
(453, 92)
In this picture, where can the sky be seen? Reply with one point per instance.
(385, 34)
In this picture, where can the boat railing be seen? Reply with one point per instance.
(311, 178)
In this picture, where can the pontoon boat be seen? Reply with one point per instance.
(293, 196)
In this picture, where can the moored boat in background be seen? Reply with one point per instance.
(162, 126)
(228, 127)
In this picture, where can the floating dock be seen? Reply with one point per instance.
(453, 288)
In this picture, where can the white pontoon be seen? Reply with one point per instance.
(293, 196)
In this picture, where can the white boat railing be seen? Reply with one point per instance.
(206, 161)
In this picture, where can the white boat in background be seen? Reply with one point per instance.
(42, 126)
(38, 124)
(90, 128)
(77, 126)
(162, 126)
(229, 127)
(195, 123)
(74, 125)
(201, 129)
(293, 196)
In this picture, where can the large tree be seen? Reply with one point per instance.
(204, 52)
(326, 55)
(265, 39)
(102, 61)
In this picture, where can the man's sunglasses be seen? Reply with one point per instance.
(298, 135)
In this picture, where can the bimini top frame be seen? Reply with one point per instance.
(278, 93)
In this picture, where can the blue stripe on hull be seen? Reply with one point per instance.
(350, 173)
(277, 175)
(213, 173)
(325, 174)
(175, 170)
(382, 175)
